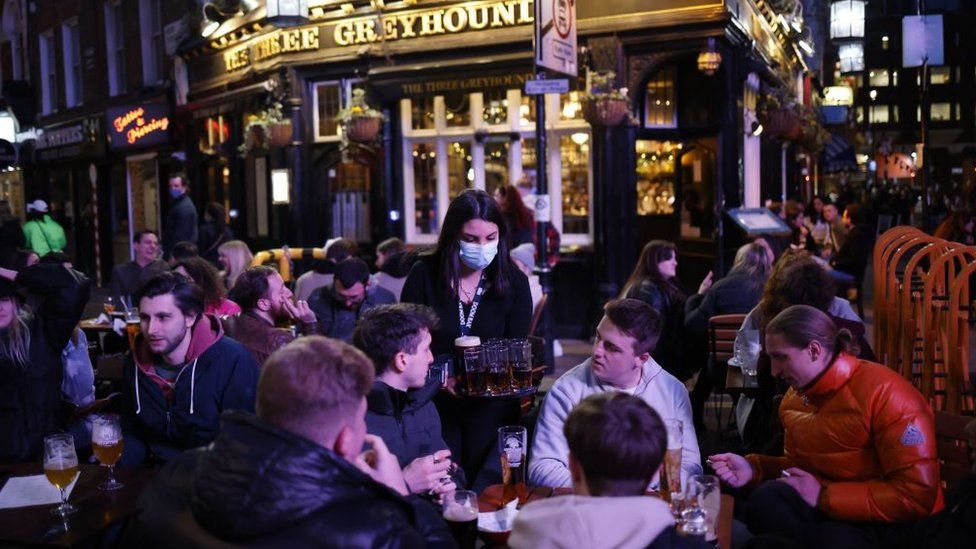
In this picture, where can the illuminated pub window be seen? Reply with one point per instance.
(660, 110)
(328, 98)
(216, 131)
(655, 177)
(483, 140)
(879, 114)
(940, 75)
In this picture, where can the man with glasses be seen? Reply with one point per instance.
(339, 305)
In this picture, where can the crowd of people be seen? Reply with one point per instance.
(330, 416)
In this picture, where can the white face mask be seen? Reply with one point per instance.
(478, 256)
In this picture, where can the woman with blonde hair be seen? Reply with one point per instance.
(235, 257)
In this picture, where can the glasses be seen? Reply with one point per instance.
(476, 374)
(461, 514)
(107, 445)
(520, 359)
(108, 306)
(671, 470)
(496, 360)
(704, 492)
(512, 444)
(61, 468)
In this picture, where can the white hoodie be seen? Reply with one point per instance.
(584, 521)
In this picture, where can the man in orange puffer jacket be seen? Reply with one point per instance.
(859, 442)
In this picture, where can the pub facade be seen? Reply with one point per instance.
(449, 78)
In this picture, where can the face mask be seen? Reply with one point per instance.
(478, 256)
(175, 193)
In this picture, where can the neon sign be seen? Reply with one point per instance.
(138, 126)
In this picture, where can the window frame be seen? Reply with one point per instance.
(74, 91)
(115, 47)
(153, 71)
(346, 86)
(49, 71)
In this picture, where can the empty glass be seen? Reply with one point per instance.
(703, 491)
(747, 348)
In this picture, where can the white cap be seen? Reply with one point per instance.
(37, 205)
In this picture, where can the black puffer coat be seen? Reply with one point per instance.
(261, 486)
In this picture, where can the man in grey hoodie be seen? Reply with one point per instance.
(621, 361)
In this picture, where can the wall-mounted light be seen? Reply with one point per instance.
(709, 60)
(757, 128)
(287, 13)
(281, 186)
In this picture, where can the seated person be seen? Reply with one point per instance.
(182, 374)
(851, 260)
(393, 263)
(621, 361)
(339, 305)
(859, 454)
(208, 279)
(127, 278)
(183, 250)
(266, 301)
(616, 444)
(323, 270)
(401, 408)
(294, 476)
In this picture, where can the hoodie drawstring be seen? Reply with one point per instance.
(135, 378)
(193, 379)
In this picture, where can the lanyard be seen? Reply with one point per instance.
(466, 323)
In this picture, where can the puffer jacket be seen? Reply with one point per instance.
(261, 486)
(869, 438)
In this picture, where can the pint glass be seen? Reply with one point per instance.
(512, 449)
(671, 470)
(461, 514)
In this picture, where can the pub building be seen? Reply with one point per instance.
(449, 78)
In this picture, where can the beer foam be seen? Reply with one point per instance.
(460, 513)
(467, 341)
(105, 437)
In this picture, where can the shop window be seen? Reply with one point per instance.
(570, 107)
(940, 75)
(660, 109)
(71, 46)
(878, 114)
(216, 131)
(530, 165)
(425, 188)
(49, 73)
(115, 47)
(327, 102)
(422, 113)
(495, 107)
(939, 112)
(655, 177)
(574, 153)
(496, 164)
(881, 78)
(460, 174)
(527, 111)
(457, 110)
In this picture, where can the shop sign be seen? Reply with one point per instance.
(83, 139)
(138, 126)
(475, 83)
(838, 96)
(555, 35)
(540, 87)
(61, 137)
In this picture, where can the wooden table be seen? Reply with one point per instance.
(737, 384)
(490, 499)
(97, 510)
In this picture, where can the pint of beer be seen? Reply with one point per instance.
(499, 372)
(462, 344)
(474, 370)
(461, 514)
(512, 445)
(671, 469)
(520, 358)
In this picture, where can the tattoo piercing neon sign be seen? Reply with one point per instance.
(134, 125)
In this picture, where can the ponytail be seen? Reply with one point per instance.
(801, 324)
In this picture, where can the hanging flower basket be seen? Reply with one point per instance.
(362, 129)
(605, 111)
(781, 123)
(279, 134)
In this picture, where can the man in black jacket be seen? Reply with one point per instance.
(181, 220)
(401, 410)
(339, 305)
(294, 475)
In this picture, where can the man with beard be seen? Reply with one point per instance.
(182, 374)
(339, 305)
(266, 300)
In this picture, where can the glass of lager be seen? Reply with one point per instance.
(107, 446)
(520, 357)
(461, 514)
(512, 450)
(671, 470)
(474, 368)
(61, 468)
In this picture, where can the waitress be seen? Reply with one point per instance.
(470, 282)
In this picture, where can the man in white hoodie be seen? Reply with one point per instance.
(621, 361)
(616, 443)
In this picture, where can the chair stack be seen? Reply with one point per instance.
(923, 309)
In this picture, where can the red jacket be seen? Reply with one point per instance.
(869, 436)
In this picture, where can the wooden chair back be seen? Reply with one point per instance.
(540, 308)
(955, 458)
(722, 330)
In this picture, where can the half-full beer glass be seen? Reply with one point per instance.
(671, 470)
(474, 370)
(520, 358)
(499, 374)
(107, 446)
(512, 449)
(61, 468)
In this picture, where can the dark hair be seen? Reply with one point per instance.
(800, 281)
(341, 249)
(519, 217)
(619, 442)
(218, 213)
(471, 204)
(391, 246)
(311, 384)
(35, 215)
(855, 212)
(182, 177)
(187, 295)
(637, 319)
(656, 251)
(352, 270)
(384, 331)
(801, 324)
(137, 237)
(206, 276)
(251, 286)
(183, 250)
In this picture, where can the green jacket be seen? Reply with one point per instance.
(44, 236)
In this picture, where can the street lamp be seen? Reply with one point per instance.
(847, 19)
(709, 60)
(287, 13)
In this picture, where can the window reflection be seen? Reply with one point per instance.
(460, 174)
(457, 109)
(574, 152)
(422, 112)
(495, 109)
(496, 164)
(655, 177)
(425, 187)
(659, 100)
(529, 164)
(570, 107)
(527, 111)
